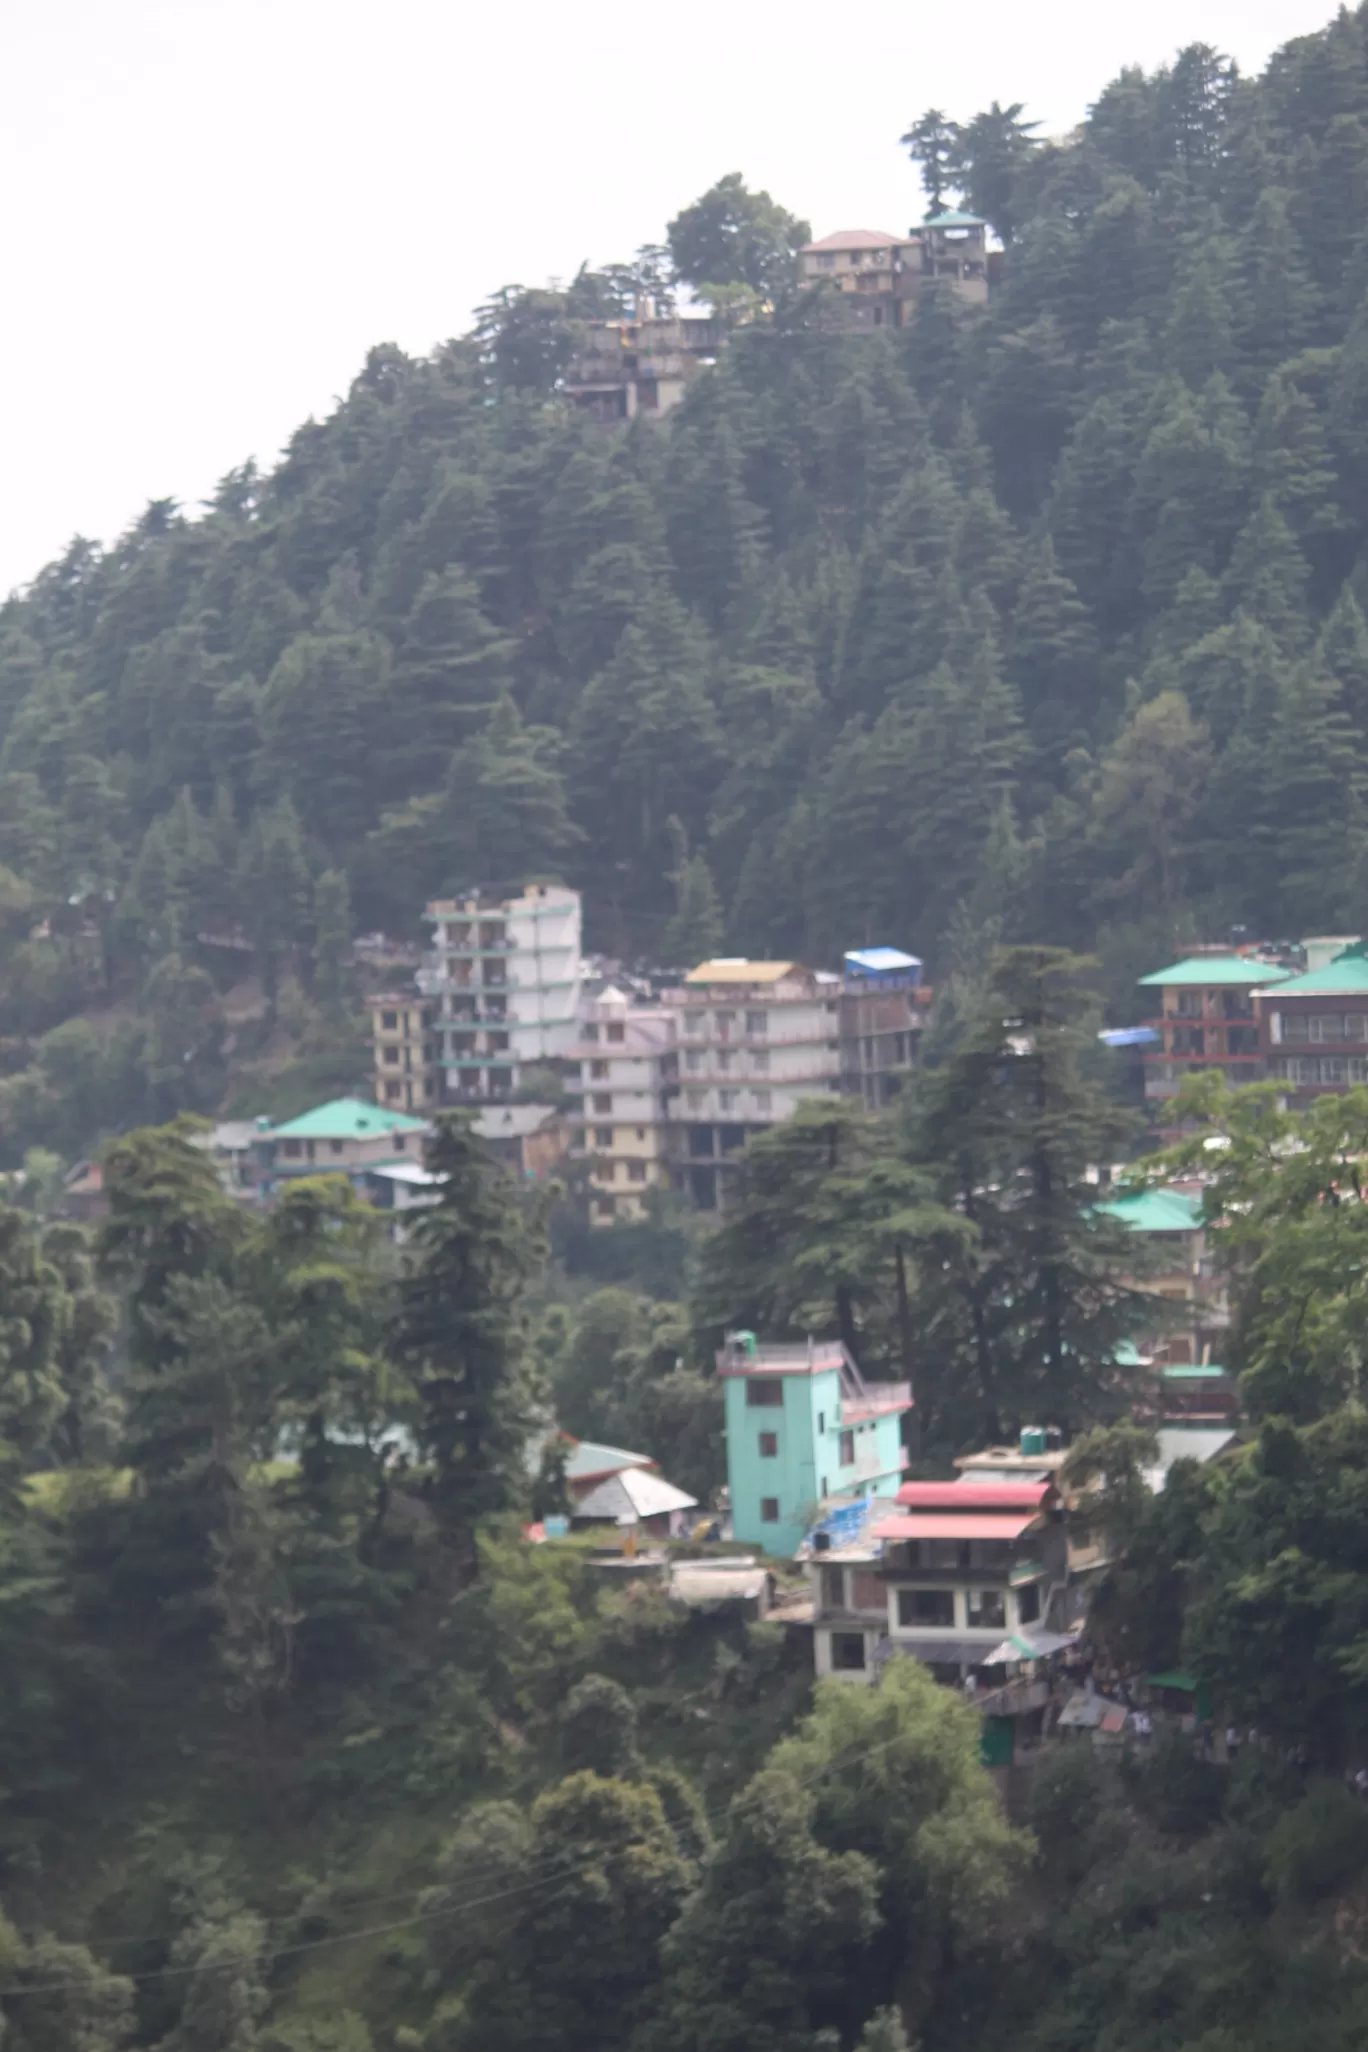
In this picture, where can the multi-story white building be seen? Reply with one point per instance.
(506, 974)
(628, 1075)
(754, 1039)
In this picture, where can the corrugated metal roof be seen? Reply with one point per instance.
(736, 969)
(345, 1118)
(1346, 977)
(632, 1494)
(1214, 969)
(853, 238)
(955, 220)
(590, 1458)
(946, 1525)
(882, 958)
(1156, 1211)
(1018, 1494)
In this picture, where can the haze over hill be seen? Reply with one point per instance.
(217, 209)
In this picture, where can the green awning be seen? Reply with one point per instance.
(1176, 1679)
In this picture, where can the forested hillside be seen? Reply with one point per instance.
(1046, 618)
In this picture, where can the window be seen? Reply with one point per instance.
(833, 1588)
(693, 1022)
(602, 1103)
(641, 1132)
(760, 1060)
(617, 1030)
(769, 1510)
(1028, 1604)
(821, 1423)
(577, 1137)
(762, 1100)
(693, 1060)
(390, 1057)
(867, 1591)
(598, 1071)
(393, 1090)
(723, 1060)
(987, 1610)
(847, 1454)
(726, 1100)
(757, 1023)
(694, 1099)
(388, 1021)
(399, 1141)
(293, 1149)
(636, 1171)
(847, 1652)
(764, 1395)
(591, 1032)
(603, 1207)
(603, 1136)
(934, 1607)
(338, 1146)
(724, 1021)
(769, 1446)
(1191, 1004)
(826, 258)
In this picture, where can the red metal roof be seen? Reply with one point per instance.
(963, 1496)
(942, 1525)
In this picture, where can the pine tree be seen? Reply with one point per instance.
(1267, 577)
(332, 937)
(1009, 1127)
(460, 1335)
(1054, 657)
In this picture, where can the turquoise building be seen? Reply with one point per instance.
(804, 1430)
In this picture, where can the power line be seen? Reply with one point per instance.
(423, 1917)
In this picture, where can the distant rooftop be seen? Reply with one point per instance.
(880, 959)
(1212, 969)
(1156, 1211)
(1346, 976)
(853, 238)
(737, 969)
(345, 1118)
(954, 220)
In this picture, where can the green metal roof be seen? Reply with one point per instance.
(1156, 1211)
(954, 220)
(1212, 969)
(1207, 1371)
(1174, 1678)
(1346, 975)
(591, 1457)
(345, 1118)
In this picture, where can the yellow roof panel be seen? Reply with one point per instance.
(736, 969)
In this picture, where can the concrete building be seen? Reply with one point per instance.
(947, 1575)
(404, 1045)
(623, 1078)
(505, 974)
(754, 1039)
(1180, 1273)
(640, 366)
(804, 1430)
(530, 1139)
(343, 1137)
(1206, 1018)
(879, 277)
(883, 1013)
(1314, 1027)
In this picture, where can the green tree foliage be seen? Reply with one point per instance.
(461, 1337)
(732, 236)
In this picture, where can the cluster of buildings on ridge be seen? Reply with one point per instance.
(642, 367)
(1295, 1014)
(665, 1078)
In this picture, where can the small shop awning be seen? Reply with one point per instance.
(967, 1525)
(936, 1652)
(1028, 1646)
(966, 1495)
(1174, 1678)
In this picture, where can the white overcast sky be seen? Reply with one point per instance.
(212, 208)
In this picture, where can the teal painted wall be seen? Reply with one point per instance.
(807, 1465)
